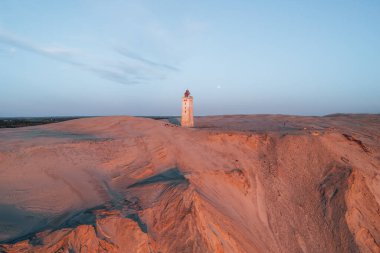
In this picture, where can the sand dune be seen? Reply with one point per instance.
(243, 183)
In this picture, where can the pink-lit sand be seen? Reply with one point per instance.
(260, 183)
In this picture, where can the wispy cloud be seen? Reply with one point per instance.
(130, 69)
(61, 54)
(134, 56)
(115, 76)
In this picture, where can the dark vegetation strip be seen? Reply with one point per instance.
(34, 121)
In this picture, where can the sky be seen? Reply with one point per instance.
(119, 57)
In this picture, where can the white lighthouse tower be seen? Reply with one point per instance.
(187, 117)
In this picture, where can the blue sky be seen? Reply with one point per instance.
(97, 57)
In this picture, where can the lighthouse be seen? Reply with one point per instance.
(187, 117)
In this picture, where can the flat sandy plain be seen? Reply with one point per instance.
(241, 183)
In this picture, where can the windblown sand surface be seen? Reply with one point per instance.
(265, 183)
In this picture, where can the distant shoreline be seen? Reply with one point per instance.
(16, 122)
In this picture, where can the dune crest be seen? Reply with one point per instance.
(243, 183)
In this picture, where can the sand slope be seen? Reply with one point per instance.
(260, 183)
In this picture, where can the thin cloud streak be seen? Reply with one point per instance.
(143, 60)
(127, 73)
(114, 76)
(61, 54)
